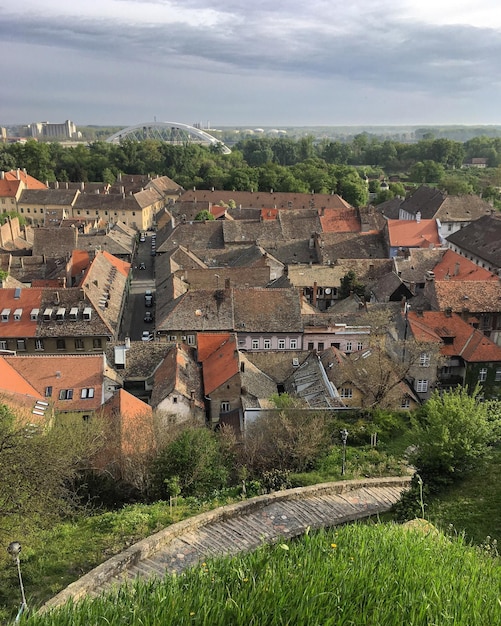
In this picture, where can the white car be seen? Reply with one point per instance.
(146, 336)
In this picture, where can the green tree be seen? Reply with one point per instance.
(452, 434)
(197, 457)
(204, 216)
(350, 284)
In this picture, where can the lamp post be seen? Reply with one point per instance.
(344, 439)
(14, 548)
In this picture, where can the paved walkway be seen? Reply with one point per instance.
(237, 528)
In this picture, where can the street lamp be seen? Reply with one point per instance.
(344, 439)
(14, 548)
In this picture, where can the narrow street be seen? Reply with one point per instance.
(142, 280)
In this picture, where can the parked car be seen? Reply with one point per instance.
(142, 238)
(148, 298)
(148, 317)
(142, 266)
(146, 336)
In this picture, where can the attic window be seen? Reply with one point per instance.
(60, 314)
(17, 314)
(47, 315)
(5, 315)
(34, 314)
(87, 314)
(73, 313)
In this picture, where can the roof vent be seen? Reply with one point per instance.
(295, 362)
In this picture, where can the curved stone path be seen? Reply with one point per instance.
(237, 528)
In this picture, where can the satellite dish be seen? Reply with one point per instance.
(328, 290)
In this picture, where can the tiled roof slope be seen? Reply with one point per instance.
(413, 267)
(267, 310)
(299, 224)
(24, 301)
(475, 296)
(262, 199)
(340, 221)
(413, 234)
(481, 238)
(241, 231)
(425, 200)
(60, 372)
(178, 372)
(199, 310)
(29, 181)
(54, 242)
(453, 266)
(219, 277)
(221, 365)
(336, 246)
(463, 209)
(195, 236)
(45, 197)
(468, 342)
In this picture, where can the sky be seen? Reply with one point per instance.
(251, 63)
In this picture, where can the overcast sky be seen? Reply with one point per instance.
(251, 62)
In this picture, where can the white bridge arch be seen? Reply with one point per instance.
(170, 132)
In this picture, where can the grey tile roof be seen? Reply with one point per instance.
(267, 310)
(196, 236)
(481, 238)
(54, 242)
(61, 197)
(336, 246)
(198, 311)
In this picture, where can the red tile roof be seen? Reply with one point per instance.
(269, 214)
(9, 188)
(221, 365)
(207, 343)
(413, 234)
(27, 300)
(135, 422)
(64, 372)
(340, 221)
(468, 342)
(453, 266)
(29, 181)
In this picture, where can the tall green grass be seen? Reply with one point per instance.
(378, 575)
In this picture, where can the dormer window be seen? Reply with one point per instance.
(60, 314)
(87, 314)
(18, 314)
(47, 315)
(5, 315)
(73, 313)
(34, 314)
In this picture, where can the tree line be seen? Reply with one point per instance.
(283, 164)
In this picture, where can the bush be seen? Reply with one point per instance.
(196, 458)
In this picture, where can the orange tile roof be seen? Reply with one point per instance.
(9, 188)
(27, 300)
(221, 365)
(64, 372)
(468, 342)
(29, 181)
(453, 266)
(207, 343)
(413, 234)
(269, 214)
(80, 261)
(122, 266)
(340, 221)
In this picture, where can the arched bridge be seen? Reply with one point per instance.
(170, 132)
(239, 527)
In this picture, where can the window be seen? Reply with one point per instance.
(360, 346)
(320, 346)
(48, 392)
(293, 344)
(267, 344)
(225, 407)
(87, 392)
(96, 342)
(281, 344)
(498, 376)
(66, 394)
(406, 402)
(172, 337)
(174, 400)
(39, 344)
(60, 344)
(191, 340)
(482, 374)
(346, 392)
(255, 344)
(79, 344)
(3, 345)
(21, 344)
(311, 345)
(422, 386)
(424, 359)
(348, 346)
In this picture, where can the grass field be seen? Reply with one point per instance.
(356, 575)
